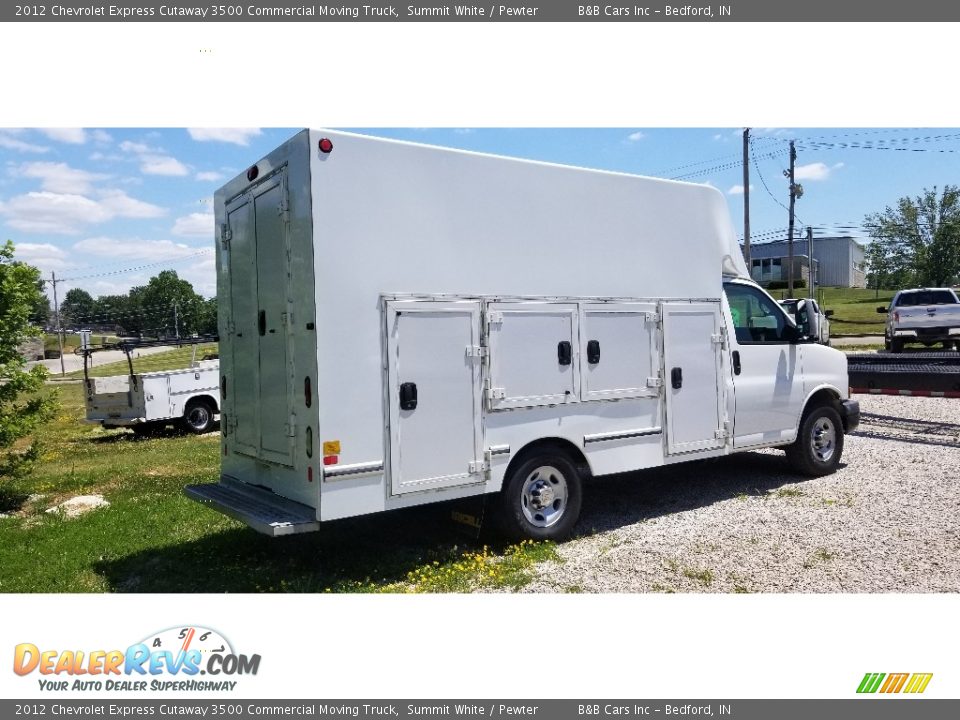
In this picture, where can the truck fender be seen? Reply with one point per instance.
(822, 394)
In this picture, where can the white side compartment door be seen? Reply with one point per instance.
(434, 394)
(534, 354)
(693, 382)
(618, 351)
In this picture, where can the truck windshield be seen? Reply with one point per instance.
(926, 297)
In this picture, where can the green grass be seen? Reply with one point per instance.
(153, 539)
(71, 341)
(855, 309)
(168, 360)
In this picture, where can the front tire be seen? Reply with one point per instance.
(541, 498)
(198, 417)
(819, 444)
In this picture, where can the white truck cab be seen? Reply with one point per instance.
(403, 324)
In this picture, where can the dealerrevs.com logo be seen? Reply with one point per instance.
(188, 658)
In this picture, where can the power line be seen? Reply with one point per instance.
(137, 267)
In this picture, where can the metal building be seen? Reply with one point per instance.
(837, 261)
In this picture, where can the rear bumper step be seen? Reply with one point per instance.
(261, 509)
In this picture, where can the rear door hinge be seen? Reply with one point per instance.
(290, 428)
(477, 351)
(226, 235)
(724, 432)
(719, 338)
(477, 467)
(495, 393)
(654, 382)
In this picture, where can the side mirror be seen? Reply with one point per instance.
(882, 310)
(828, 313)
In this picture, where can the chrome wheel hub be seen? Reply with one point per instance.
(823, 437)
(544, 496)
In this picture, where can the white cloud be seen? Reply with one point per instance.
(738, 190)
(11, 143)
(42, 255)
(134, 248)
(101, 136)
(836, 166)
(209, 176)
(122, 205)
(53, 212)
(194, 225)
(237, 136)
(68, 213)
(60, 177)
(162, 165)
(463, 131)
(153, 161)
(74, 136)
(134, 147)
(812, 171)
(634, 137)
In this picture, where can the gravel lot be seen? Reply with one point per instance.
(887, 521)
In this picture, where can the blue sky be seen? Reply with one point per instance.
(108, 208)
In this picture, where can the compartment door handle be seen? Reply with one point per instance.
(408, 396)
(676, 378)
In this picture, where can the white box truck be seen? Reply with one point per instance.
(404, 324)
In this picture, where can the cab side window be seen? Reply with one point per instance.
(756, 318)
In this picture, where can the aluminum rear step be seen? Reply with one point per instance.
(261, 509)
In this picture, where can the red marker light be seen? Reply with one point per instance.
(326, 145)
(252, 173)
(310, 473)
(331, 459)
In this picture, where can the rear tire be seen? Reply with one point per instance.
(198, 417)
(819, 444)
(541, 498)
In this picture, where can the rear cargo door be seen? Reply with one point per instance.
(434, 394)
(260, 382)
(693, 382)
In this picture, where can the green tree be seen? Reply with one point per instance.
(23, 404)
(41, 312)
(78, 308)
(168, 305)
(208, 317)
(918, 240)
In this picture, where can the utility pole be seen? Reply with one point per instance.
(746, 200)
(793, 199)
(810, 272)
(176, 324)
(56, 312)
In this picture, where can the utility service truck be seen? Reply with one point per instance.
(148, 401)
(403, 324)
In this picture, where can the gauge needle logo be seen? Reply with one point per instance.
(186, 645)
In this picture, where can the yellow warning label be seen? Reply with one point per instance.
(331, 447)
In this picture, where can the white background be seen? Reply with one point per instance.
(477, 74)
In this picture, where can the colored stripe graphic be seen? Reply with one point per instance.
(894, 682)
(918, 683)
(870, 682)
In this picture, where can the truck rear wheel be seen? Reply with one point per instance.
(198, 417)
(541, 497)
(819, 444)
(896, 345)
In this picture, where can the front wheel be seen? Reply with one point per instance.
(819, 444)
(541, 497)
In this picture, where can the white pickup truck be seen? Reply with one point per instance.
(922, 315)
